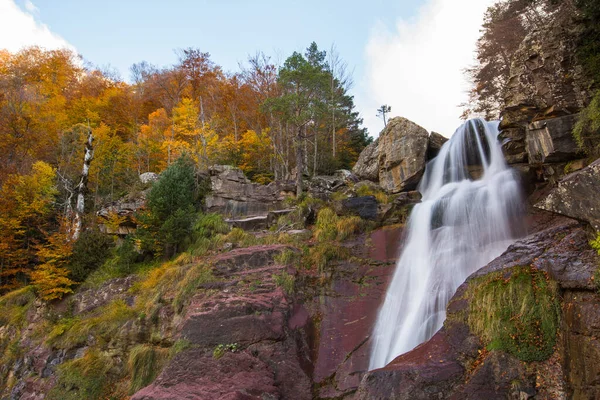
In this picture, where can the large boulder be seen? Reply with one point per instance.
(434, 145)
(367, 166)
(363, 206)
(402, 155)
(552, 140)
(576, 196)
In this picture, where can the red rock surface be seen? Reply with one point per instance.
(249, 311)
(346, 310)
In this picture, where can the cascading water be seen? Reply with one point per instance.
(460, 225)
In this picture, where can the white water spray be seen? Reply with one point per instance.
(460, 226)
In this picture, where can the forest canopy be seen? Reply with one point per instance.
(269, 120)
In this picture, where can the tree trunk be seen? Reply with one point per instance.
(299, 162)
(82, 186)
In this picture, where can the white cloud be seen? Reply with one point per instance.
(417, 68)
(19, 28)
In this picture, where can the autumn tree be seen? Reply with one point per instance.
(51, 276)
(27, 208)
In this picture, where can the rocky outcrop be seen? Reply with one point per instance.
(436, 141)
(453, 364)
(148, 177)
(250, 317)
(117, 218)
(113, 289)
(363, 206)
(398, 210)
(367, 165)
(233, 194)
(551, 140)
(402, 152)
(546, 81)
(576, 196)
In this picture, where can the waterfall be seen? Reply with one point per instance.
(461, 225)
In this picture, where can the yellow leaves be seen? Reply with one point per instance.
(50, 278)
(185, 119)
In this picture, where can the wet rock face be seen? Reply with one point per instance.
(344, 310)
(577, 196)
(582, 349)
(451, 366)
(402, 153)
(232, 194)
(429, 372)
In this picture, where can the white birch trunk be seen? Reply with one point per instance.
(81, 188)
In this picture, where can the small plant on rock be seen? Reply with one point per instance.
(221, 349)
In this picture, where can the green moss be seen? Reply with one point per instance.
(145, 362)
(84, 378)
(518, 314)
(179, 346)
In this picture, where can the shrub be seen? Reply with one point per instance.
(208, 225)
(170, 210)
(89, 252)
(519, 314)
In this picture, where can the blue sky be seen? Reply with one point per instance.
(405, 53)
(124, 32)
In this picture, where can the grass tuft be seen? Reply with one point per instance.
(84, 378)
(145, 363)
(285, 281)
(519, 314)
